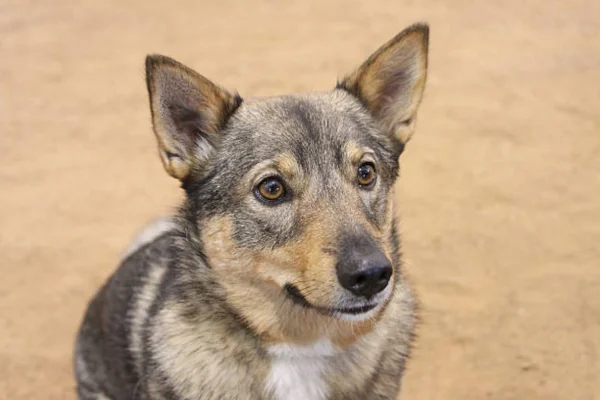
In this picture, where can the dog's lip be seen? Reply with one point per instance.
(295, 294)
(354, 310)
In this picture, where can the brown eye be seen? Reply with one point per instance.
(270, 189)
(366, 175)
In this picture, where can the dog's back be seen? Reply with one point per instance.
(108, 348)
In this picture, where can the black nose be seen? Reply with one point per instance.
(368, 281)
(363, 269)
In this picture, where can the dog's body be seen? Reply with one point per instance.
(280, 276)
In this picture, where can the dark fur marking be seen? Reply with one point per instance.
(296, 296)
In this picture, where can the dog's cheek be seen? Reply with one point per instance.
(303, 262)
(319, 282)
(265, 228)
(391, 244)
(315, 261)
(218, 243)
(383, 207)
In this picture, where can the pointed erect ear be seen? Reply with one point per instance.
(188, 113)
(390, 83)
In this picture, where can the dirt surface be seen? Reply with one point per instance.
(500, 188)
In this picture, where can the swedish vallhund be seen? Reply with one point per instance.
(280, 276)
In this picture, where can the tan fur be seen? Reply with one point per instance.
(211, 102)
(258, 297)
(178, 345)
(396, 114)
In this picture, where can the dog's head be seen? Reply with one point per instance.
(293, 194)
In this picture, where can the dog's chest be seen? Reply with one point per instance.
(298, 372)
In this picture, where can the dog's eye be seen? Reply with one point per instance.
(270, 189)
(366, 175)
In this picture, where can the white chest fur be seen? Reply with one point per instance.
(297, 372)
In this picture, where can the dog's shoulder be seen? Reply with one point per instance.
(150, 235)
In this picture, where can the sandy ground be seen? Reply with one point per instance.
(500, 189)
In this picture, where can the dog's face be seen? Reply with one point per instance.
(301, 186)
(292, 194)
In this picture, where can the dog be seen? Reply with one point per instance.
(280, 275)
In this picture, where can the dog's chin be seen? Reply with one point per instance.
(353, 309)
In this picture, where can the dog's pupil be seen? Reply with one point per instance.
(273, 187)
(365, 172)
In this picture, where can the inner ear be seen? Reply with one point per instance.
(188, 114)
(391, 81)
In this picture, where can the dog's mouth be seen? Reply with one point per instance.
(295, 295)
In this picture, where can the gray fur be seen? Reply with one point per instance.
(200, 308)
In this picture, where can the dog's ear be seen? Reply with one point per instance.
(390, 82)
(188, 113)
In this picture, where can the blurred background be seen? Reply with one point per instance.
(499, 192)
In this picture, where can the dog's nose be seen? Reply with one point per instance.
(362, 268)
(371, 277)
(369, 280)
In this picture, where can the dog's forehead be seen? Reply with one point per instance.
(324, 106)
(319, 122)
